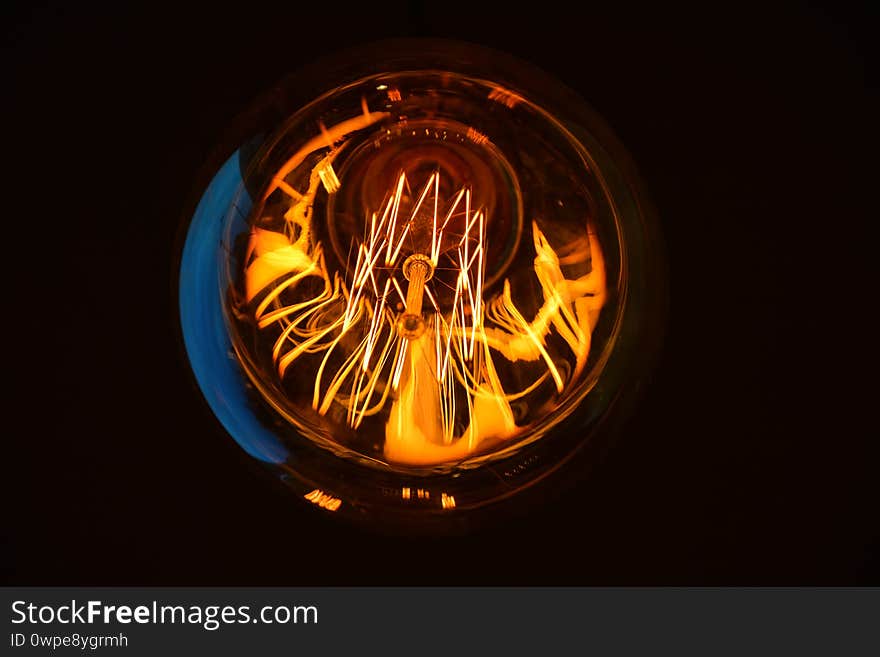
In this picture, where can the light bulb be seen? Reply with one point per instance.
(419, 277)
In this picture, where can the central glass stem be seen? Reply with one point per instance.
(417, 269)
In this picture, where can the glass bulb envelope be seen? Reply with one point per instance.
(425, 288)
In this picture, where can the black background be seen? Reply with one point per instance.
(744, 464)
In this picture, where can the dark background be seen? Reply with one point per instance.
(745, 463)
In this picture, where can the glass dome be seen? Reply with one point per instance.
(429, 282)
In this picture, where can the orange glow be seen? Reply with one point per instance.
(433, 368)
(505, 97)
(476, 136)
(323, 500)
(327, 139)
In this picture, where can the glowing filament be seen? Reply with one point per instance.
(407, 331)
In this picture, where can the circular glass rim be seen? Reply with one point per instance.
(638, 240)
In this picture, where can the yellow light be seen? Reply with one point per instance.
(455, 356)
(323, 500)
(437, 319)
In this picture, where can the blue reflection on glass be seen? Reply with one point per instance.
(208, 346)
